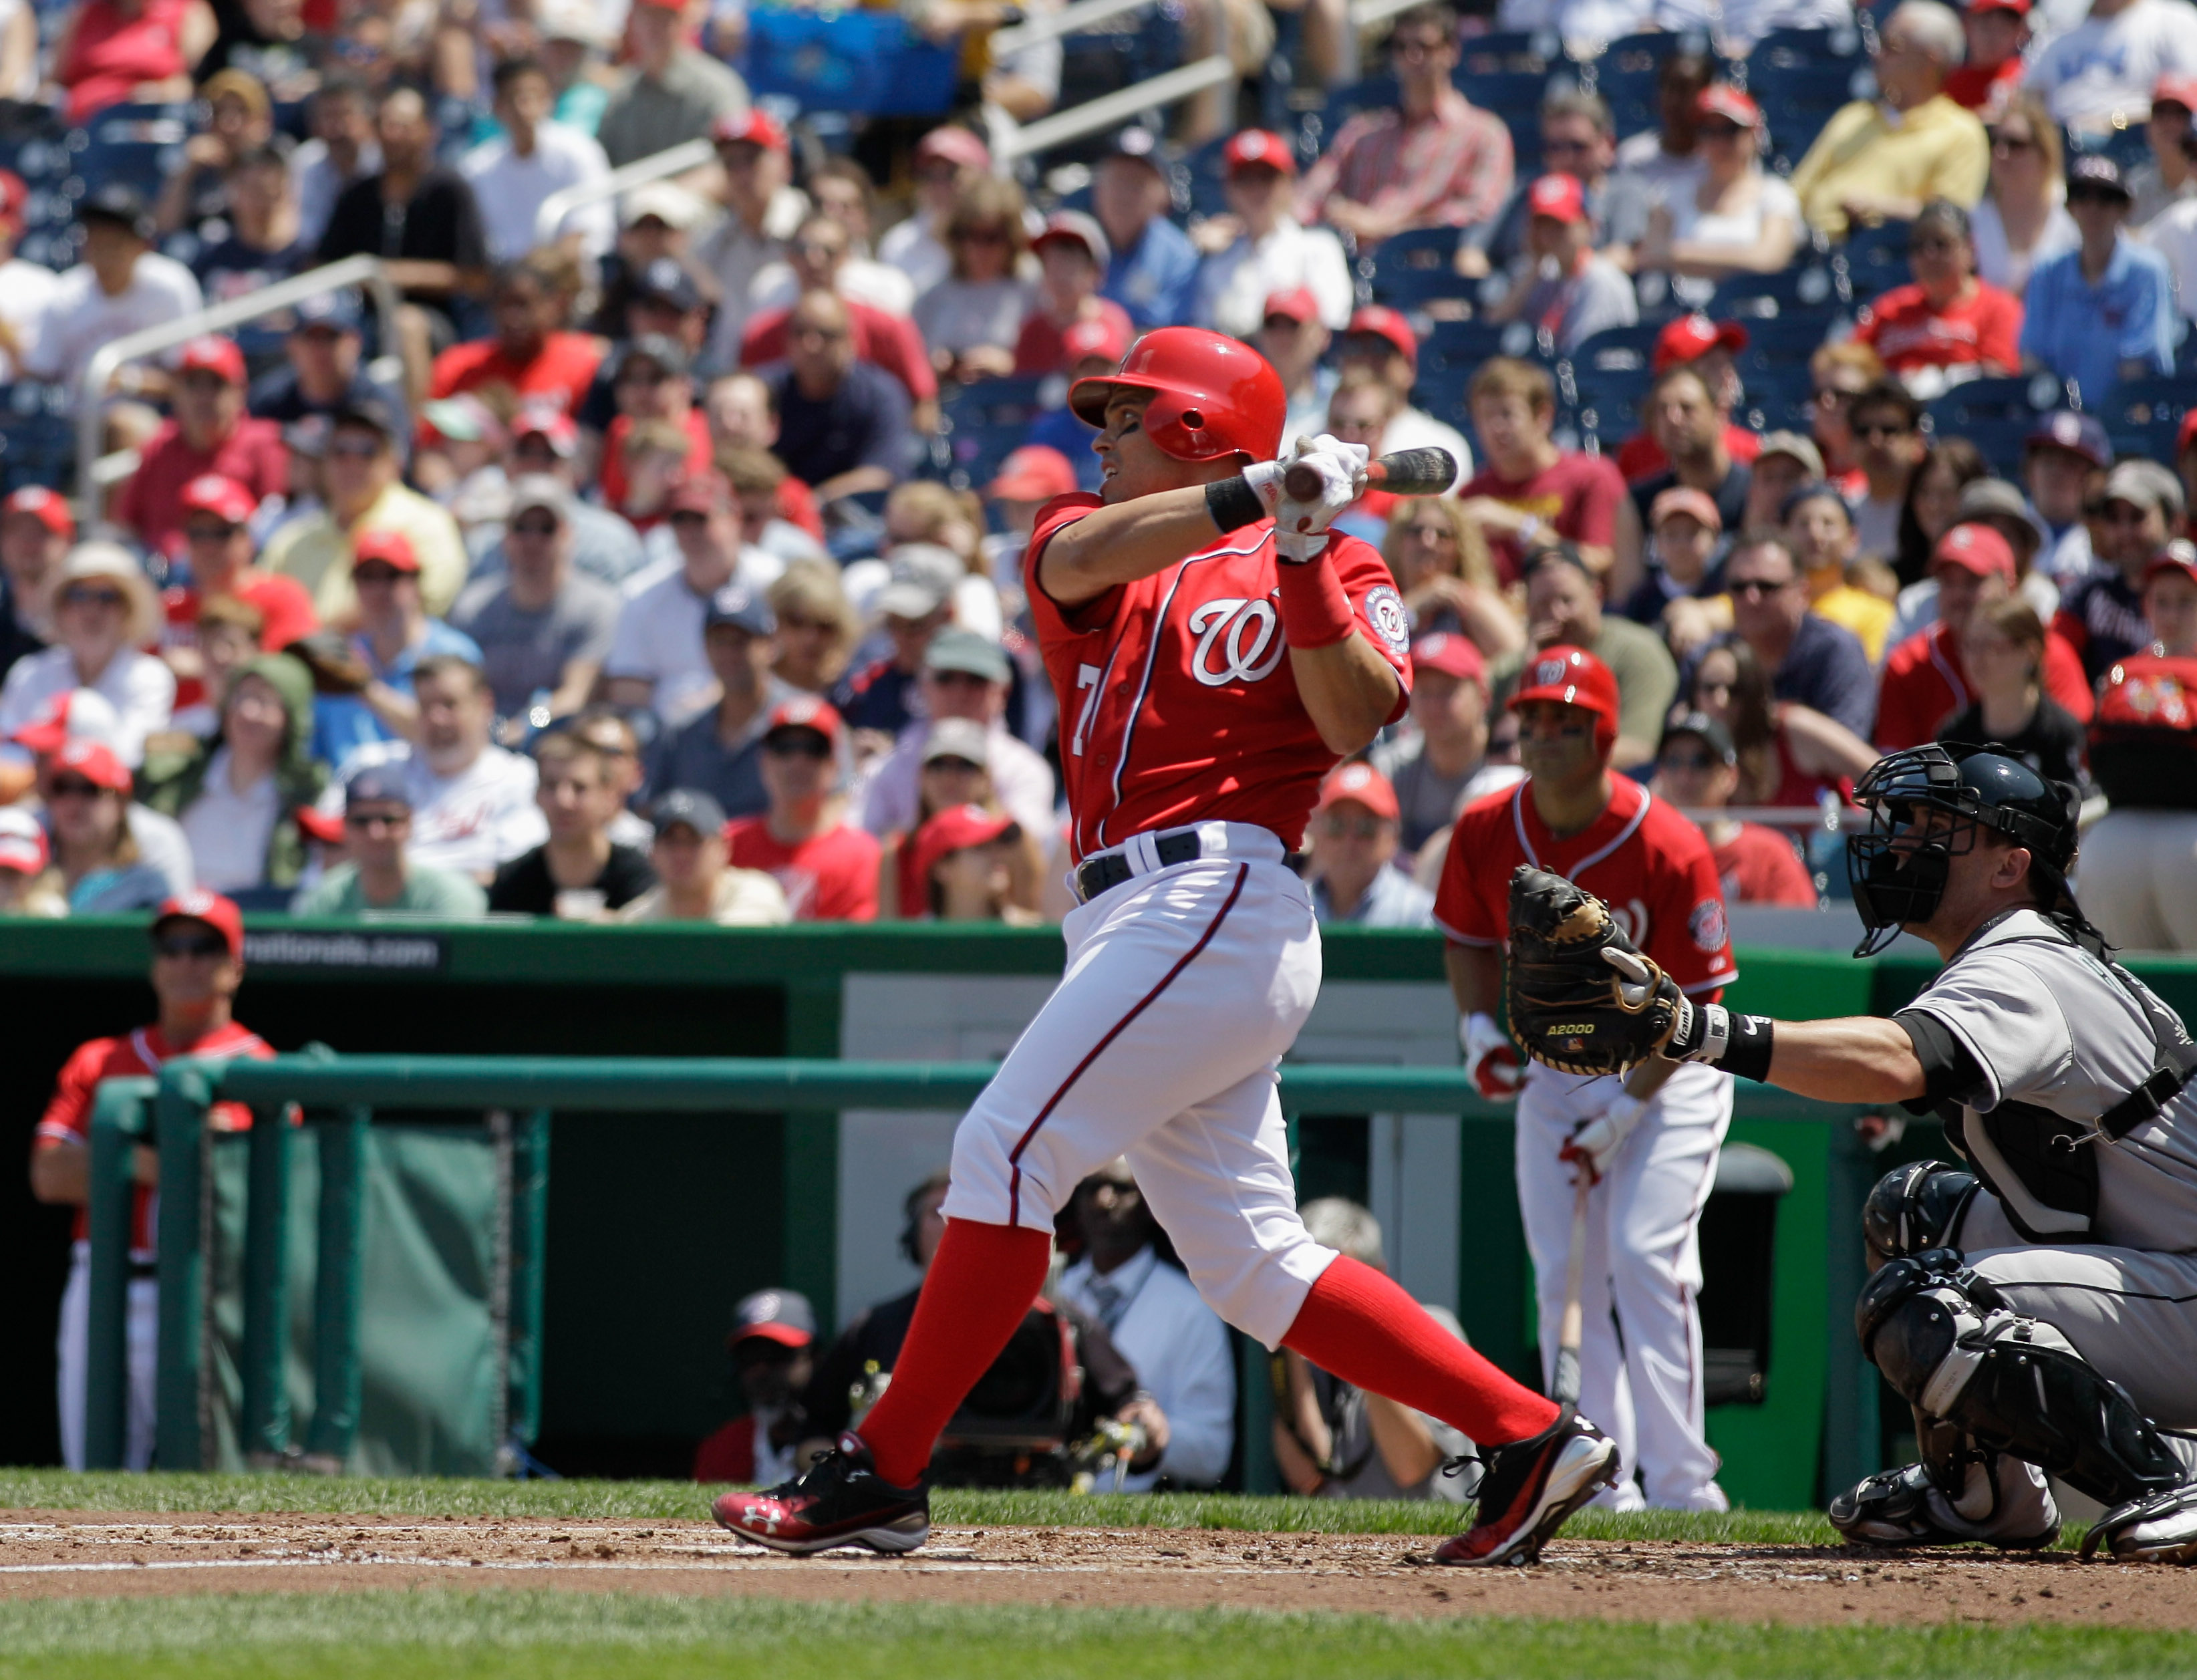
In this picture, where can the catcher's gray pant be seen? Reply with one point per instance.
(1640, 1355)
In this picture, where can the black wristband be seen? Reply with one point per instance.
(1747, 1054)
(1234, 504)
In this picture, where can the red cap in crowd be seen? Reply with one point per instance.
(806, 711)
(755, 124)
(15, 197)
(2019, 7)
(2177, 556)
(1255, 147)
(210, 353)
(221, 495)
(2183, 439)
(391, 548)
(1386, 323)
(325, 826)
(1073, 225)
(73, 715)
(1691, 337)
(954, 830)
(710, 492)
(1573, 677)
(953, 144)
(1035, 472)
(1359, 784)
(1560, 196)
(49, 510)
(1976, 548)
(2175, 88)
(1095, 337)
(1721, 98)
(95, 763)
(1298, 305)
(1451, 655)
(23, 845)
(538, 419)
(219, 913)
(1685, 499)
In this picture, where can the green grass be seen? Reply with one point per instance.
(60, 1491)
(428, 1635)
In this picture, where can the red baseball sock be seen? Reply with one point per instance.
(980, 1282)
(1359, 1325)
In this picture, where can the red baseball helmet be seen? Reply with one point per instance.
(1573, 677)
(1211, 396)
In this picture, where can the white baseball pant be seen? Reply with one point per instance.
(1640, 1355)
(2133, 879)
(73, 1350)
(1184, 986)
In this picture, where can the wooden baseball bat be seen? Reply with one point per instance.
(1406, 472)
(1644, 1081)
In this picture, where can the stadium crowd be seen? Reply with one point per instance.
(663, 561)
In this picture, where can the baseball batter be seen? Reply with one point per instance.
(1210, 672)
(1653, 1161)
(2037, 1306)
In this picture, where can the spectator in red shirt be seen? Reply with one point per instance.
(216, 513)
(209, 433)
(1925, 680)
(818, 253)
(1947, 317)
(1072, 255)
(114, 51)
(1698, 771)
(652, 383)
(1526, 486)
(198, 964)
(827, 868)
(531, 355)
(1708, 346)
(1999, 34)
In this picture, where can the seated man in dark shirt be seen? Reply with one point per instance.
(843, 424)
(1811, 661)
(325, 375)
(2101, 613)
(265, 244)
(578, 873)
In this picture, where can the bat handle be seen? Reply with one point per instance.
(1303, 484)
(1571, 1329)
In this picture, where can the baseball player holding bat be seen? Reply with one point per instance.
(2035, 1305)
(1215, 651)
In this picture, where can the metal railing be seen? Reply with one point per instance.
(343, 1095)
(370, 272)
(1011, 140)
(1068, 21)
(673, 160)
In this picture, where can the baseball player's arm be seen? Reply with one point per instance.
(1475, 976)
(1110, 547)
(61, 1172)
(1348, 689)
(1862, 1059)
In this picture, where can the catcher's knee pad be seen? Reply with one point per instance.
(1949, 1342)
(1914, 1209)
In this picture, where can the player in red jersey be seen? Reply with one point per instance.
(1210, 672)
(827, 868)
(198, 963)
(1653, 1152)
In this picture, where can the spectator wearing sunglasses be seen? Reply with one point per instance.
(2104, 311)
(217, 539)
(2021, 220)
(369, 696)
(578, 872)
(103, 610)
(1884, 424)
(827, 867)
(694, 882)
(1353, 838)
(965, 677)
(86, 790)
(378, 876)
(209, 433)
(1698, 771)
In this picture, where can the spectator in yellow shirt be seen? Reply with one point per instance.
(1883, 158)
(1819, 531)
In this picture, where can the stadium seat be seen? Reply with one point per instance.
(1511, 49)
(138, 145)
(1412, 267)
(2144, 416)
(1816, 290)
(1875, 259)
(37, 437)
(1798, 100)
(1994, 414)
(981, 423)
(1617, 350)
(1784, 50)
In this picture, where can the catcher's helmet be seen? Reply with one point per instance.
(1899, 865)
(1573, 677)
(1212, 396)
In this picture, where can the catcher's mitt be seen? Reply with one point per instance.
(1583, 999)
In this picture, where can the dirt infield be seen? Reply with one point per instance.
(43, 1555)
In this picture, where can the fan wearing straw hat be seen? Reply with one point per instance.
(103, 611)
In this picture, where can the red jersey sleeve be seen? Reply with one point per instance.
(1382, 619)
(1462, 909)
(1688, 933)
(1592, 516)
(1055, 516)
(67, 1118)
(763, 339)
(901, 340)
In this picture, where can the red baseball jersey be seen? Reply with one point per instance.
(1640, 857)
(1178, 704)
(67, 1118)
(831, 876)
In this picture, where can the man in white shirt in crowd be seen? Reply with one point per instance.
(472, 804)
(343, 150)
(1259, 248)
(762, 209)
(842, 196)
(947, 159)
(2101, 74)
(1383, 341)
(534, 157)
(1178, 1347)
(25, 287)
(122, 285)
(656, 657)
(965, 679)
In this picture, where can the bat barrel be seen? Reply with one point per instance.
(1406, 472)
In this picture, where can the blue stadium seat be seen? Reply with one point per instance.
(137, 145)
(1511, 49)
(1606, 403)
(37, 437)
(1412, 267)
(1997, 415)
(1783, 50)
(1509, 94)
(1778, 343)
(2127, 146)
(1816, 289)
(1874, 258)
(2145, 415)
(981, 424)
(1617, 349)
(1800, 100)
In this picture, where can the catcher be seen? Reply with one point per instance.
(2037, 1306)
(1651, 1149)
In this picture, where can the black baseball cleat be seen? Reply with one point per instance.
(2157, 1528)
(1530, 1488)
(1904, 1507)
(840, 1501)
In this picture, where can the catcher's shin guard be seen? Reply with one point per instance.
(1949, 1342)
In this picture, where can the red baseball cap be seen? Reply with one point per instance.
(15, 198)
(1557, 195)
(1298, 305)
(755, 124)
(1097, 337)
(2019, 7)
(1684, 499)
(210, 353)
(1572, 677)
(95, 763)
(1691, 337)
(953, 144)
(1386, 323)
(954, 830)
(806, 711)
(540, 421)
(23, 845)
(1453, 656)
(1034, 473)
(2182, 442)
(391, 548)
(221, 495)
(219, 913)
(325, 826)
(2175, 88)
(73, 715)
(1721, 98)
(710, 492)
(1359, 784)
(2175, 556)
(1257, 146)
(1976, 548)
(43, 505)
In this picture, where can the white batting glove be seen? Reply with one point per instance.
(1490, 1060)
(1301, 527)
(1594, 1143)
